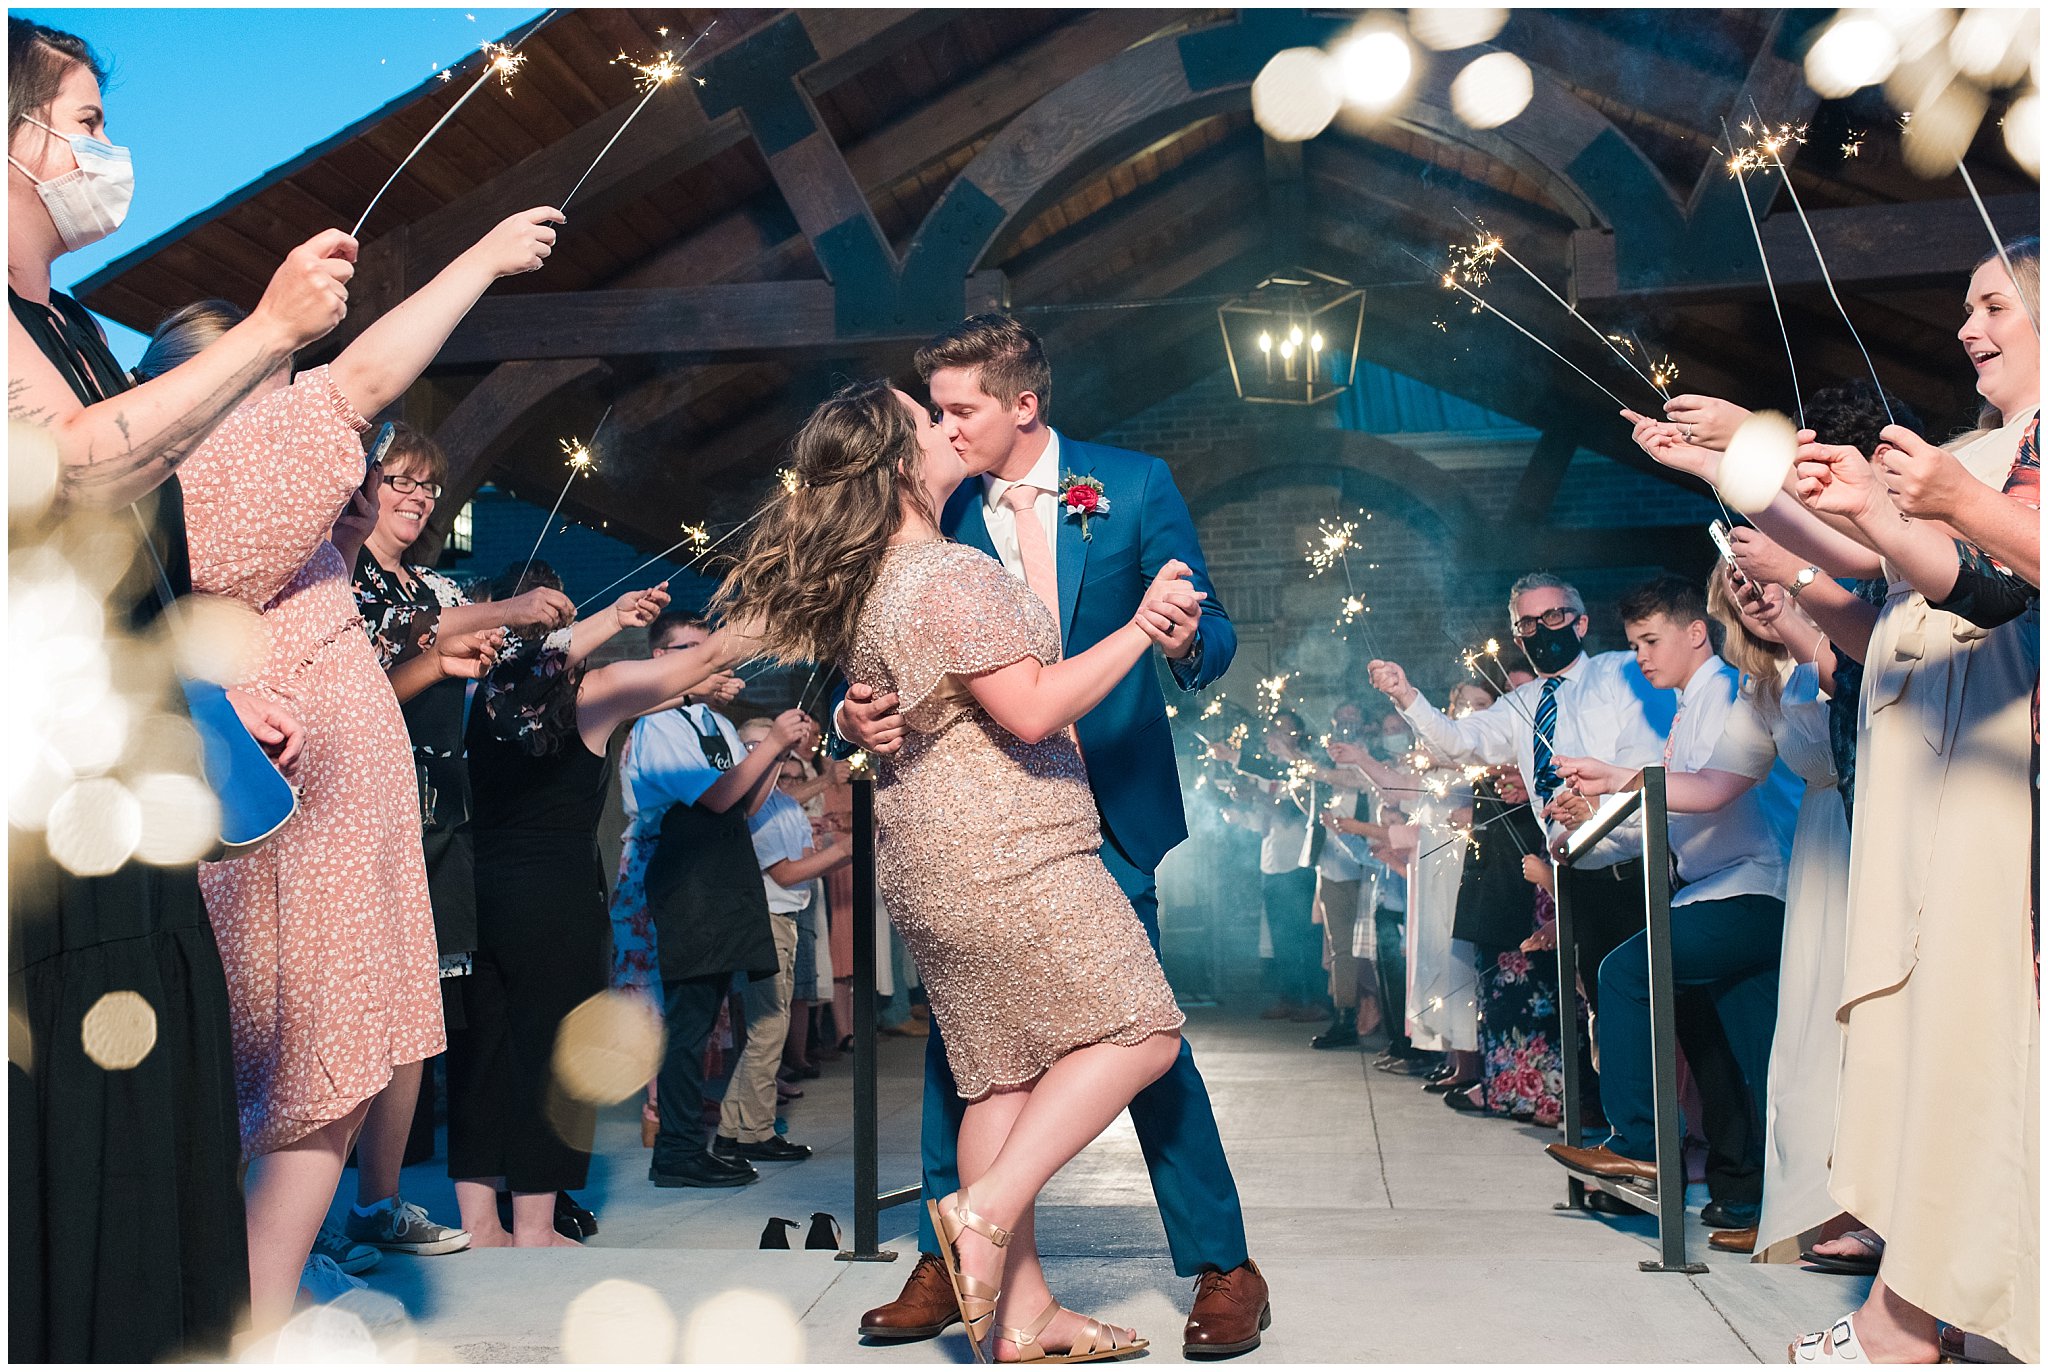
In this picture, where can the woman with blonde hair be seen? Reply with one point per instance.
(1054, 1010)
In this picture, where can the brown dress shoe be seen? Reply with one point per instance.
(1733, 1240)
(1603, 1162)
(1230, 1310)
(923, 1311)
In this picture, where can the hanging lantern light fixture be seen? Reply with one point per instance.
(1293, 340)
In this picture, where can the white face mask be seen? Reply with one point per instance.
(88, 202)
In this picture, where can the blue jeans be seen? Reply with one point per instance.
(1175, 1124)
(1728, 946)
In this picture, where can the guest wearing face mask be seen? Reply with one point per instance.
(80, 1288)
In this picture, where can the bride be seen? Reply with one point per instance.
(1053, 1007)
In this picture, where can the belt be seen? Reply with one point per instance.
(1631, 870)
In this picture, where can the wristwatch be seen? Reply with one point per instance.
(1806, 577)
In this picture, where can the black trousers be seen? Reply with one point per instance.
(1607, 910)
(543, 948)
(1390, 971)
(691, 1009)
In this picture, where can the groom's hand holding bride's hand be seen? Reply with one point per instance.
(870, 721)
(1171, 612)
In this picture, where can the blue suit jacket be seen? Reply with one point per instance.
(1125, 739)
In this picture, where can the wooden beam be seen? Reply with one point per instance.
(1894, 245)
(1776, 86)
(743, 319)
(1544, 476)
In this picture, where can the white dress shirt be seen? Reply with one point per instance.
(666, 766)
(1336, 862)
(1735, 850)
(1002, 520)
(1605, 710)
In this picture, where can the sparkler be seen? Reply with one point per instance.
(580, 462)
(1471, 658)
(1491, 245)
(1451, 282)
(661, 71)
(501, 61)
(1273, 693)
(1738, 166)
(1770, 144)
(1998, 243)
(692, 533)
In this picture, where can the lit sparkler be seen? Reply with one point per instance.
(580, 462)
(1854, 146)
(1451, 282)
(650, 77)
(501, 61)
(1213, 708)
(787, 476)
(1739, 167)
(1771, 143)
(1491, 246)
(1332, 544)
(693, 534)
(1273, 693)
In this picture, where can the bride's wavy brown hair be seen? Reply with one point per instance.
(813, 556)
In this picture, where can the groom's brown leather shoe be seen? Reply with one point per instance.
(924, 1309)
(1603, 1162)
(1230, 1310)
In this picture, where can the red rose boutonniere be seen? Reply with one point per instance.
(1081, 497)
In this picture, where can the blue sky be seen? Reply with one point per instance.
(295, 77)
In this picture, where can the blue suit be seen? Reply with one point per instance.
(1128, 748)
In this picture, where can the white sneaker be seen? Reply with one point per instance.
(405, 1228)
(323, 1281)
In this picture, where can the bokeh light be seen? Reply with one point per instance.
(1374, 68)
(1942, 129)
(119, 1031)
(1295, 96)
(1759, 457)
(1985, 45)
(1492, 90)
(94, 826)
(217, 639)
(31, 470)
(1855, 51)
(180, 818)
(2023, 132)
(607, 1048)
(1447, 30)
(743, 1326)
(620, 1321)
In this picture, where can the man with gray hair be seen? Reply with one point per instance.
(1599, 703)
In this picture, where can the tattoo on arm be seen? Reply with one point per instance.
(177, 441)
(20, 411)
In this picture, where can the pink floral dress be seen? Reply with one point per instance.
(326, 932)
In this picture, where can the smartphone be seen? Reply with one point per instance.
(1718, 531)
(382, 444)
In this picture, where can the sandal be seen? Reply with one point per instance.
(1840, 1344)
(1098, 1342)
(976, 1299)
(1859, 1265)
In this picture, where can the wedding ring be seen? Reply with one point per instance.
(1688, 433)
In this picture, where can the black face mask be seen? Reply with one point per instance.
(1550, 651)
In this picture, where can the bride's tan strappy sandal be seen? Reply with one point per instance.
(951, 1218)
(1098, 1342)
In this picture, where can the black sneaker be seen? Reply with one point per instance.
(772, 1149)
(1336, 1036)
(702, 1169)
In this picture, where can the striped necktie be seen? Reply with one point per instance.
(1548, 782)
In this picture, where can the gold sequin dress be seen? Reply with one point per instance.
(988, 845)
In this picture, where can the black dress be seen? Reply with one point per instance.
(543, 947)
(126, 1228)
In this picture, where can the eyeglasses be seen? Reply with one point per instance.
(406, 485)
(1549, 619)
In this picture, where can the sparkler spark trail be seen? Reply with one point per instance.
(1332, 543)
(580, 461)
(1737, 167)
(1273, 693)
(1998, 243)
(1491, 244)
(653, 75)
(1503, 688)
(691, 534)
(1770, 144)
(1451, 282)
(501, 61)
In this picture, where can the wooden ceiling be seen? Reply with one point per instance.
(845, 181)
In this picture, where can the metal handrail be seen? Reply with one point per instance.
(869, 1200)
(1646, 792)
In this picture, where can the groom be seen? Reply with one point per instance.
(1085, 527)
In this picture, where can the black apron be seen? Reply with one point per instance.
(704, 887)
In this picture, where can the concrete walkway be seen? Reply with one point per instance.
(1390, 1229)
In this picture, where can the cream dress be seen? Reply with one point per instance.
(1806, 1047)
(1937, 1146)
(1443, 972)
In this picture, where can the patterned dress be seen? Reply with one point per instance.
(325, 931)
(988, 845)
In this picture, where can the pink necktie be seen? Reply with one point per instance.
(1032, 549)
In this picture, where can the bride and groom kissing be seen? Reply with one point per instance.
(997, 635)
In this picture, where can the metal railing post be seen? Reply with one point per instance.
(1663, 1030)
(869, 1200)
(1568, 1032)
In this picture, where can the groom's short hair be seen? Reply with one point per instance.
(1006, 357)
